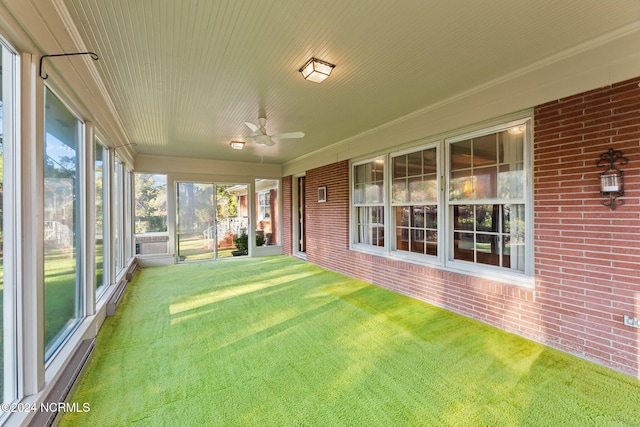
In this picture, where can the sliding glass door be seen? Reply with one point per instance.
(195, 227)
(212, 221)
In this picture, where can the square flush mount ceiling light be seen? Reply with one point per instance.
(316, 70)
(237, 145)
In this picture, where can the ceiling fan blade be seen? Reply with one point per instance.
(289, 135)
(253, 127)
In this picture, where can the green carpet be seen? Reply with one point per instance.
(278, 342)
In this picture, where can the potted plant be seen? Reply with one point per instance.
(242, 243)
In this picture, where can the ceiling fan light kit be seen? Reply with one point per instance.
(316, 70)
(260, 135)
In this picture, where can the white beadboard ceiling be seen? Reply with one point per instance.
(184, 76)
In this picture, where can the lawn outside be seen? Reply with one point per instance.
(194, 247)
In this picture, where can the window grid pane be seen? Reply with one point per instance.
(414, 196)
(489, 234)
(489, 167)
(486, 197)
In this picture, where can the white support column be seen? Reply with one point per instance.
(31, 323)
(11, 218)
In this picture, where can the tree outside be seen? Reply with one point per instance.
(150, 203)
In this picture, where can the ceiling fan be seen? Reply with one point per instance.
(260, 135)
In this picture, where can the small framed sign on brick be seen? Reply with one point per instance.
(322, 194)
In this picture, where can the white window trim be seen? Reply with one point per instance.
(445, 260)
(353, 220)
(411, 256)
(488, 271)
(63, 336)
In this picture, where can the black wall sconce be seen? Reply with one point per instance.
(612, 179)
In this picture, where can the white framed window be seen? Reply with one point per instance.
(118, 214)
(101, 168)
(487, 198)
(463, 203)
(150, 203)
(368, 192)
(64, 189)
(128, 215)
(264, 206)
(267, 212)
(415, 194)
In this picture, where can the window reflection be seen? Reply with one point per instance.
(415, 195)
(63, 135)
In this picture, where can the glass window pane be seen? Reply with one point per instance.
(485, 182)
(430, 161)
(414, 164)
(402, 239)
(431, 242)
(484, 150)
(463, 217)
(358, 194)
(400, 166)
(461, 155)
(463, 246)
(511, 180)
(61, 222)
(399, 193)
(368, 195)
(377, 236)
(231, 227)
(118, 200)
(430, 188)
(487, 217)
(417, 190)
(151, 203)
(431, 217)
(461, 185)
(402, 216)
(377, 170)
(511, 146)
(374, 193)
(195, 226)
(488, 249)
(267, 212)
(377, 215)
(128, 212)
(100, 232)
(417, 242)
(417, 216)
(359, 174)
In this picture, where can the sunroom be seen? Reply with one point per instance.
(482, 158)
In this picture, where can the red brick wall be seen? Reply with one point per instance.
(586, 256)
(328, 223)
